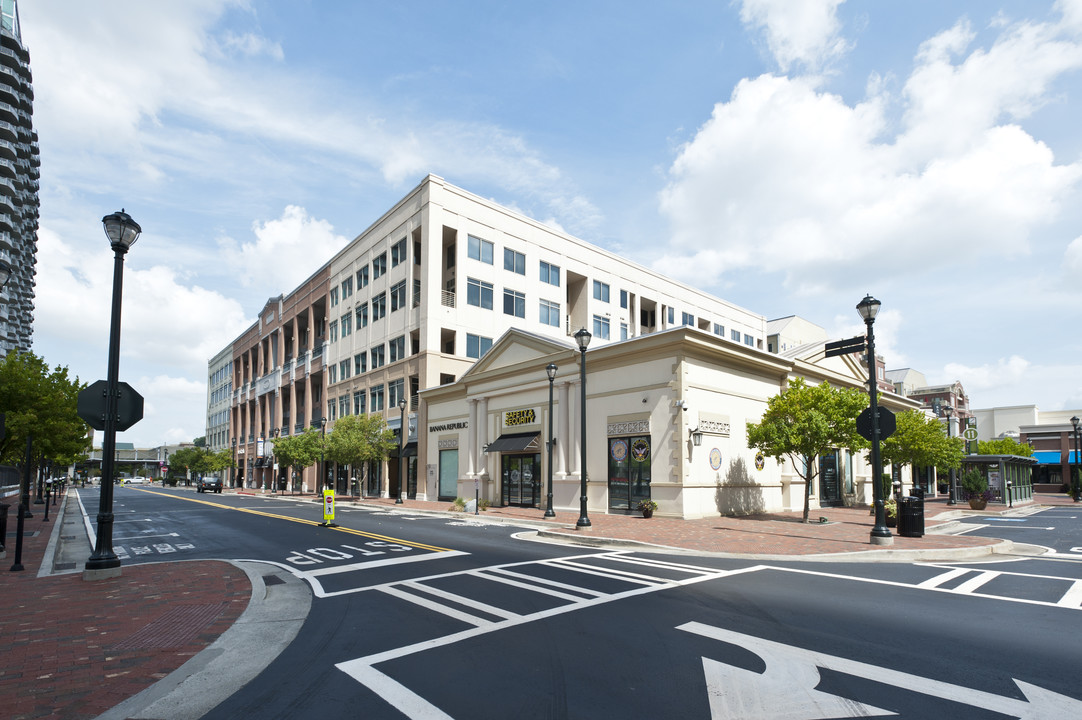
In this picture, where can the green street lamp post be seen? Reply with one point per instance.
(550, 370)
(868, 309)
(582, 337)
(122, 232)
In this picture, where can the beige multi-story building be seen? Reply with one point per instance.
(416, 299)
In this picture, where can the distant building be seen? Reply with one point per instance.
(19, 172)
(787, 333)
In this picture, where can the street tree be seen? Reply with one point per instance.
(1004, 446)
(804, 422)
(921, 441)
(297, 452)
(359, 441)
(186, 459)
(43, 403)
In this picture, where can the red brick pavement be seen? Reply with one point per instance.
(73, 649)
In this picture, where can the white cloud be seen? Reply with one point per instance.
(285, 251)
(787, 178)
(797, 31)
(982, 379)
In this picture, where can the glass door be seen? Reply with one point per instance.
(448, 474)
(521, 479)
(629, 472)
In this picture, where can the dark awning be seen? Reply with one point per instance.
(409, 451)
(515, 442)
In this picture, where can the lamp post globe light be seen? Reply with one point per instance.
(550, 370)
(401, 452)
(880, 535)
(951, 499)
(582, 337)
(1076, 481)
(122, 232)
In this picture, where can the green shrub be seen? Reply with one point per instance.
(973, 481)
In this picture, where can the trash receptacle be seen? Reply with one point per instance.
(911, 517)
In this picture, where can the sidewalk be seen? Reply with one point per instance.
(73, 649)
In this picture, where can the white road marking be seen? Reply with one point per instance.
(787, 688)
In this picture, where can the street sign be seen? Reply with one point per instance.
(844, 347)
(887, 423)
(328, 508)
(92, 401)
(970, 433)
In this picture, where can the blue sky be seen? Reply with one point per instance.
(789, 156)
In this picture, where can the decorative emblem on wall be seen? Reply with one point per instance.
(618, 450)
(715, 459)
(760, 461)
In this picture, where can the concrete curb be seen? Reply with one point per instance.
(272, 620)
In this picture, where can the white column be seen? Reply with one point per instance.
(482, 436)
(574, 432)
(563, 431)
(471, 440)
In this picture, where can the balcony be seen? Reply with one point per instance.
(447, 298)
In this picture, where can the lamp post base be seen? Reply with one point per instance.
(887, 539)
(101, 573)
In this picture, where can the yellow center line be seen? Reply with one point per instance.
(302, 521)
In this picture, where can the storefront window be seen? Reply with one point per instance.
(629, 471)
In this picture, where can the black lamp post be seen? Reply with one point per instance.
(550, 370)
(122, 232)
(233, 470)
(401, 453)
(868, 309)
(1077, 480)
(274, 472)
(582, 337)
(949, 410)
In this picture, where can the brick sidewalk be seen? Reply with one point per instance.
(73, 649)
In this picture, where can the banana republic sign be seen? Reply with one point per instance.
(513, 418)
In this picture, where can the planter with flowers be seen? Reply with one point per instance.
(647, 508)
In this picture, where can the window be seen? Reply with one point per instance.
(416, 293)
(347, 287)
(416, 252)
(550, 313)
(398, 295)
(376, 395)
(333, 329)
(362, 315)
(398, 348)
(334, 296)
(601, 291)
(623, 299)
(358, 403)
(333, 372)
(479, 293)
(330, 409)
(601, 327)
(550, 274)
(480, 249)
(379, 357)
(623, 331)
(360, 363)
(379, 306)
(379, 265)
(749, 340)
(362, 278)
(514, 303)
(398, 253)
(343, 406)
(734, 335)
(687, 319)
(343, 369)
(719, 329)
(514, 261)
(395, 392)
(347, 324)
(671, 312)
(477, 346)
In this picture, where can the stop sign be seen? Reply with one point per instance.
(92, 401)
(887, 423)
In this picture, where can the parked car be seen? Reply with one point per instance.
(205, 484)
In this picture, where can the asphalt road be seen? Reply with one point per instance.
(426, 616)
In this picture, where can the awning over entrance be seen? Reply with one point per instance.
(1047, 457)
(515, 442)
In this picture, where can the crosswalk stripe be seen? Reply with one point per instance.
(973, 584)
(398, 592)
(942, 578)
(1073, 597)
